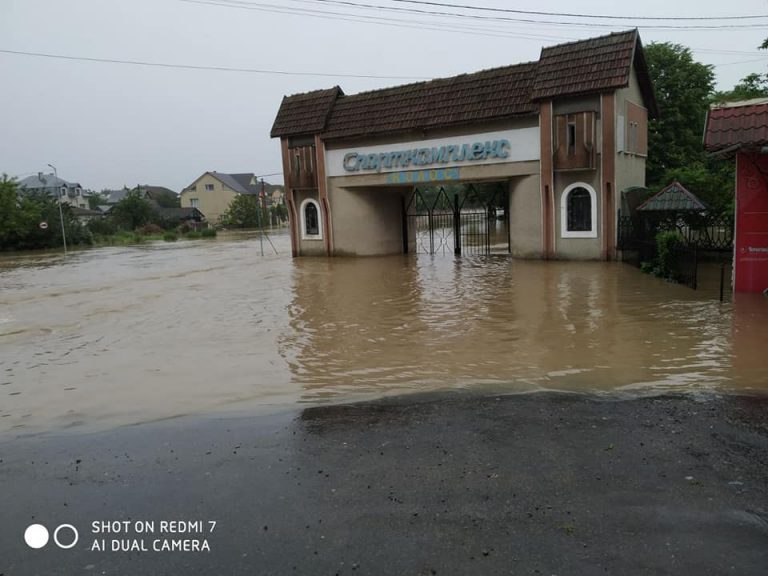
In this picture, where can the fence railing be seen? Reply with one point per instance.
(636, 238)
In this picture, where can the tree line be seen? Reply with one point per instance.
(684, 91)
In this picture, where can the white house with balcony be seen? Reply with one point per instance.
(71, 193)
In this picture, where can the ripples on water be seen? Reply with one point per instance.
(121, 335)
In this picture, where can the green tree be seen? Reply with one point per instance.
(751, 86)
(711, 180)
(683, 87)
(96, 199)
(244, 211)
(131, 212)
(9, 212)
(21, 215)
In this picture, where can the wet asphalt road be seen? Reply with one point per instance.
(441, 484)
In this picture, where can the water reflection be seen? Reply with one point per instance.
(388, 324)
(381, 325)
(129, 334)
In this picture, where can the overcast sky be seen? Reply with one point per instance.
(106, 125)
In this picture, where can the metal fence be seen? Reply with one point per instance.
(698, 233)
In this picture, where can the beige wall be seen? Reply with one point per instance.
(630, 168)
(367, 221)
(212, 203)
(525, 216)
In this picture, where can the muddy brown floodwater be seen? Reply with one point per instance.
(116, 336)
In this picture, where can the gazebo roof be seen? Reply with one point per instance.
(673, 198)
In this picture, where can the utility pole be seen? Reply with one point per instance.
(61, 211)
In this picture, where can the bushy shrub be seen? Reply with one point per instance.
(666, 247)
(208, 232)
(102, 227)
(665, 264)
(194, 235)
(170, 237)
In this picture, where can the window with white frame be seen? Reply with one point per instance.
(194, 202)
(578, 215)
(311, 223)
(209, 187)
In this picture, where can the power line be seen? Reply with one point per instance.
(378, 7)
(367, 19)
(212, 68)
(578, 15)
(743, 62)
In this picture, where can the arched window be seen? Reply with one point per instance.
(578, 217)
(311, 223)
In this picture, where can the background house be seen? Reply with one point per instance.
(213, 192)
(71, 193)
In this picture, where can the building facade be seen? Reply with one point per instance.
(213, 192)
(71, 193)
(563, 135)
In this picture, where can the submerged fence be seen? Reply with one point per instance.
(697, 234)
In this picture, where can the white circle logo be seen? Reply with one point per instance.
(36, 536)
(74, 540)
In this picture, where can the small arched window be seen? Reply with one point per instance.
(578, 212)
(311, 224)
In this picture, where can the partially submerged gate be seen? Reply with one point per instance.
(460, 223)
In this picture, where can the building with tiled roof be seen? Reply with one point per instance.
(213, 192)
(740, 130)
(563, 135)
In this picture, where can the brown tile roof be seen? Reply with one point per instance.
(737, 126)
(587, 66)
(304, 113)
(593, 65)
(486, 95)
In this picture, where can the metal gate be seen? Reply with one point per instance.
(436, 223)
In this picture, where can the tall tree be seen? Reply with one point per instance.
(682, 87)
(131, 212)
(245, 211)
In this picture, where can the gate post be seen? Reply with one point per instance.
(404, 211)
(456, 226)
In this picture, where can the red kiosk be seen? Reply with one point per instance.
(741, 129)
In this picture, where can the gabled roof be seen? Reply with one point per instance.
(77, 211)
(737, 125)
(305, 113)
(673, 198)
(589, 66)
(114, 196)
(485, 95)
(594, 65)
(151, 191)
(177, 213)
(46, 181)
(240, 183)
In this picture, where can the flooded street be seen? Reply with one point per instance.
(122, 335)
